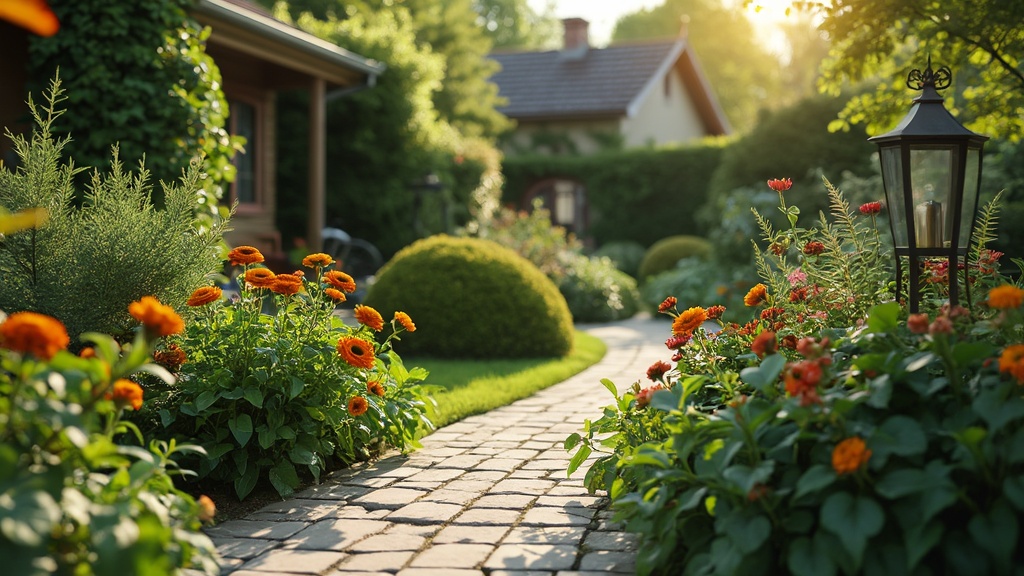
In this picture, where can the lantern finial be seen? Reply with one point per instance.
(938, 79)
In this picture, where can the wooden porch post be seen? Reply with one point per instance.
(316, 217)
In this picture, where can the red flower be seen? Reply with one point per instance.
(676, 342)
(871, 208)
(780, 185)
(802, 381)
(918, 323)
(643, 397)
(667, 304)
(814, 248)
(715, 312)
(764, 343)
(658, 370)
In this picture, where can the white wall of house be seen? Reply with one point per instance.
(666, 115)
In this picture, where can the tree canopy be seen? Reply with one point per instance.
(512, 24)
(880, 41)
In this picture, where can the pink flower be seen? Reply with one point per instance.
(796, 278)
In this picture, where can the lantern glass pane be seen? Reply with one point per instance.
(892, 178)
(930, 177)
(972, 176)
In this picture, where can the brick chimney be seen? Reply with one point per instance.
(575, 37)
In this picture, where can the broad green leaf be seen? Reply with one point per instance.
(246, 482)
(746, 533)
(766, 374)
(254, 396)
(577, 459)
(968, 353)
(302, 455)
(996, 531)
(920, 539)
(572, 441)
(28, 517)
(854, 519)
(1013, 489)
(610, 386)
(815, 478)
(996, 410)
(205, 400)
(295, 387)
(241, 428)
(883, 318)
(809, 557)
(284, 478)
(898, 435)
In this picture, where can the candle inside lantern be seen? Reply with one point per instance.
(928, 224)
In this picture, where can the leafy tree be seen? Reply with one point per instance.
(881, 40)
(137, 74)
(745, 76)
(512, 24)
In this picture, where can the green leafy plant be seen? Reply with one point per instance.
(596, 291)
(856, 443)
(626, 255)
(81, 491)
(665, 253)
(115, 248)
(283, 397)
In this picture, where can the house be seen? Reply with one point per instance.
(258, 57)
(582, 99)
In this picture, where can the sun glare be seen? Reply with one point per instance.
(768, 11)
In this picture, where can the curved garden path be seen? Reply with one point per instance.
(487, 495)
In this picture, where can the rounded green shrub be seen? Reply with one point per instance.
(472, 298)
(664, 254)
(597, 291)
(626, 255)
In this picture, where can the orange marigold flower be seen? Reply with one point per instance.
(260, 277)
(802, 379)
(126, 393)
(357, 406)
(172, 358)
(406, 322)
(1005, 297)
(159, 319)
(207, 509)
(204, 296)
(87, 352)
(318, 260)
(244, 255)
(357, 352)
(1011, 361)
(667, 304)
(32, 333)
(286, 284)
(375, 387)
(335, 294)
(780, 185)
(340, 280)
(849, 455)
(689, 320)
(367, 316)
(756, 295)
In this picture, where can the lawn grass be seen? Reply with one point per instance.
(476, 386)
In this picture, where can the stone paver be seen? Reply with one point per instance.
(485, 496)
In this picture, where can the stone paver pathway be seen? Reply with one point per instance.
(485, 496)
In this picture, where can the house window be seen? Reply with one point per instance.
(564, 199)
(244, 121)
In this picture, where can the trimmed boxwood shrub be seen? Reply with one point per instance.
(597, 291)
(665, 253)
(473, 298)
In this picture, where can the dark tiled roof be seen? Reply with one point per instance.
(603, 82)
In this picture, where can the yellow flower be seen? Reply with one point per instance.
(157, 318)
(367, 316)
(36, 334)
(204, 295)
(756, 295)
(689, 320)
(1006, 296)
(406, 322)
(357, 352)
(849, 455)
(318, 260)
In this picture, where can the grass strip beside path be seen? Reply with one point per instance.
(476, 386)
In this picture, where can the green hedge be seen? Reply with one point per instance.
(636, 195)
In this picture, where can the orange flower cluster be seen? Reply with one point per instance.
(358, 406)
(172, 358)
(406, 322)
(357, 352)
(341, 281)
(849, 455)
(204, 295)
(375, 387)
(286, 284)
(802, 380)
(1011, 362)
(1005, 297)
(244, 255)
(367, 316)
(756, 295)
(158, 319)
(126, 393)
(318, 260)
(689, 320)
(36, 334)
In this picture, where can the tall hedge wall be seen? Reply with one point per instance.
(641, 195)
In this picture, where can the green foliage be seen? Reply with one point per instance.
(881, 41)
(138, 74)
(473, 298)
(87, 264)
(532, 236)
(626, 255)
(696, 281)
(665, 253)
(77, 494)
(628, 191)
(512, 24)
(597, 291)
(274, 398)
(815, 440)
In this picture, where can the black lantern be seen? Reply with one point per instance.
(931, 170)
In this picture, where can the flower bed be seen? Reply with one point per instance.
(833, 433)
